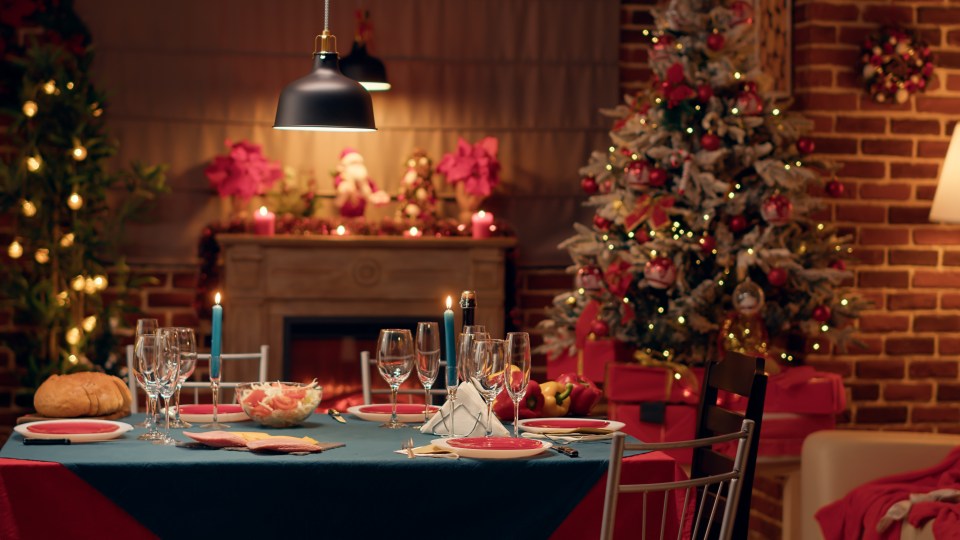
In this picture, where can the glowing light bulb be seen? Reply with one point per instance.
(50, 87)
(78, 283)
(90, 323)
(67, 240)
(89, 286)
(28, 208)
(73, 335)
(79, 152)
(75, 201)
(100, 282)
(70, 85)
(42, 256)
(34, 163)
(15, 251)
(30, 109)
(73, 359)
(63, 298)
(341, 230)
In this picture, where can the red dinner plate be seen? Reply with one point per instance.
(495, 443)
(207, 408)
(402, 408)
(72, 428)
(567, 423)
(78, 431)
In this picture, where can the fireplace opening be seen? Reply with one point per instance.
(328, 349)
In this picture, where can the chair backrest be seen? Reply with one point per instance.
(743, 376)
(683, 505)
(367, 363)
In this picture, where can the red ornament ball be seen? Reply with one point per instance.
(777, 277)
(776, 209)
(806, 145)
(600, 328)
(838, 264)
(834, 188)
(641, 236)
(737, 224)
(660, 272)
(704, 93)
(716, 41)
(822, 313)
(601, 222)
(658, 177)
(636, 174)
(710, 142)
(749, 103)
(606, 186)
(590, 278)
(708, 244)
(589, 185)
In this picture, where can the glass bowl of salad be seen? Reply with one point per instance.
(279, 404)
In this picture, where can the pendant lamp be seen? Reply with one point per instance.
(325, 100)
(359, 65)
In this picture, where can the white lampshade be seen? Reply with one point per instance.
(946, 202)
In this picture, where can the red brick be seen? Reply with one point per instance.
(185, 280)
(863, 169)
(867, 103)
(861, 124)
(848, 79)
(911, 301)
(935, 414)
(936, 323)
(926, 193)
(950, 301)
(884, 323)
(883, 278)
(913, 257)
(815, 34)
(898, 192)
(634, 74)
(948, 392)
(189, 320)
(932, 149)
(909, 345)
(861, 213)
(551, 282)
(834, 145)
(864, 391)
(821, 124)
(888, 14)
(938, 369)
(950, 60)
(151, 279)
(914, 170)
(884, 237)
(936, 237)
(170, 299)
(880, 369)
(869, 256)
(887, 147)
(927, 279)
(826, 102)
(951, 258)
(822, 11)
(942, 105)
(953, 81)
(813, 77)
(854, 34)
(907, 392)
(910, 214)
(881, 415)
(916, 127)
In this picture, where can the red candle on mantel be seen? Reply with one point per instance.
(413, 232)
(264, 222)
(481, 224)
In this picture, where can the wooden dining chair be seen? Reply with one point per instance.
(737, 375)
(368, 364)
(683, 505)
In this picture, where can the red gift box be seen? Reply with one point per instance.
(800, 390)
(670, 422)
(592, 360)
(634, 383)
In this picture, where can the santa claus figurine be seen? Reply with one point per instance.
(354, 186)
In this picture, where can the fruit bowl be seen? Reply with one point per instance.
(279, 404)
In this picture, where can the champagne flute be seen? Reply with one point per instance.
(488, 373)
(167, 374)
(394, 360)
(517, 372)
(144, 326)
(428, 360)
(188, 362)
(146, 356)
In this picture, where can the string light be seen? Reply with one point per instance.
(580, 291)
(660, 310)
(79, 152)
(30, 109)
(15, 251)
(824, 328)
(626, 300)
(681, 319)
(100, 282)
(34, 163)
(73, 359)
(89, 286)
(28, 208)
(736, 75)
(42, 256)
(75, 201)
(612, 149)
(689, 130)
(78, 283)
(816, 346)
(630, 234)
(844, 302)
(571, 301)
(650, 326)
(63, 298)
(90, 323)
(646, 32)
(775, 112)
(735, 111)
(50, 87)
(73, 335)
(66, 240)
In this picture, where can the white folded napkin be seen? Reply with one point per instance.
(470, 408)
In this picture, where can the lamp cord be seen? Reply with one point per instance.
(326, 14)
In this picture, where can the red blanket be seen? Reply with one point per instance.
(855, 516)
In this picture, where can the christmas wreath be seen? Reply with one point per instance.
(896, 63)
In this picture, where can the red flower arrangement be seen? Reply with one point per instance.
(244, 172)
(896, 63)
(475, 165)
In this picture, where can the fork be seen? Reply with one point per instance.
(408, 446)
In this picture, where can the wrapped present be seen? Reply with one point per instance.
(799, 390)
(782, 434)
(639, 383)
(657, 422)
(591, 361)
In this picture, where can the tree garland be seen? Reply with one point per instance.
(896, 63)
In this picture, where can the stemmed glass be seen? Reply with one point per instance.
(188, 362)
(465, 363)
(488, 373)
(145, 351)
(518, 372)
(394, 360)
(167, 374)
(428, 360)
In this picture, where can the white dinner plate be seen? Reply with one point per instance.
(567, 425)
(406, 412)
(204, 413)
(78, 430)
(493, 447)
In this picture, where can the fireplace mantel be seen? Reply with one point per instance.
(270, 278)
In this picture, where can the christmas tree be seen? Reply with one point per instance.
(705, 236)
(68, 212)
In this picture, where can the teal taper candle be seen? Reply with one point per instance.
(450, 344)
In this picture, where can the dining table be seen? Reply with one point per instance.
(129, 488)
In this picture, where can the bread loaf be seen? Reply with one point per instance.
(82, 394)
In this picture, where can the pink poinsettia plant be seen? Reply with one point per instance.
(244, 172)
(475, 165)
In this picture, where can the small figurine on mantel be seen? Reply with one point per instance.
(354, 186)
(418, 198)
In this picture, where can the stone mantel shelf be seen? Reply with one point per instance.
(269, 280)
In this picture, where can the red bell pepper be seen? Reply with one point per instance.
(585, 393)
(531, 406)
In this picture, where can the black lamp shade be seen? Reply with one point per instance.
(325, 100)
(365, 69)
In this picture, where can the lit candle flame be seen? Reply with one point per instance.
(482, 214)
(449, 302)
(216, 298)
(414, 231)
(341, 230)
(263, 210)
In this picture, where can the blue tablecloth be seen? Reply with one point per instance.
(359, 490)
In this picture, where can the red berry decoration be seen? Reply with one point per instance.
(838, 265)
(601, 222)
(658, 177)
(715, 41)
(710, 142)
(776, 209)
(704, 93)
(777, 277)
(806, 145)
(660, 272)
(589, 185)
(821, 313)
(834, 188)
(737, 223)
(708, 244)
(600, 328)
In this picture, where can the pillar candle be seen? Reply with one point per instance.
(215, 339)
(481, 224)
(449, 342)
(264, 222)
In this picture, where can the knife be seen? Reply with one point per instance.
(566, 450)
(44, 442)
(335, 414)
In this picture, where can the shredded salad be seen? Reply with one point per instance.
(279, 404)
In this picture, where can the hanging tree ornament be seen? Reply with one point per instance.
(707, 244)
(30, 108)
(743, 330)
(776, 209)
(660, 272)
(716, 40)
(589, 185)
(737, 223)
(822, 313)
(710, 142)
(806, 145)
(748, 298)
(777, 277)
(749, 103)
(834, 188)
(601, 222)
(658, 177)
(600, 328)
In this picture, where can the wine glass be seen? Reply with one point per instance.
(145, 351)
(188, 362)
(517, 372)
(428, 360)
(167, 374)
(394, 360)
(488, 373)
